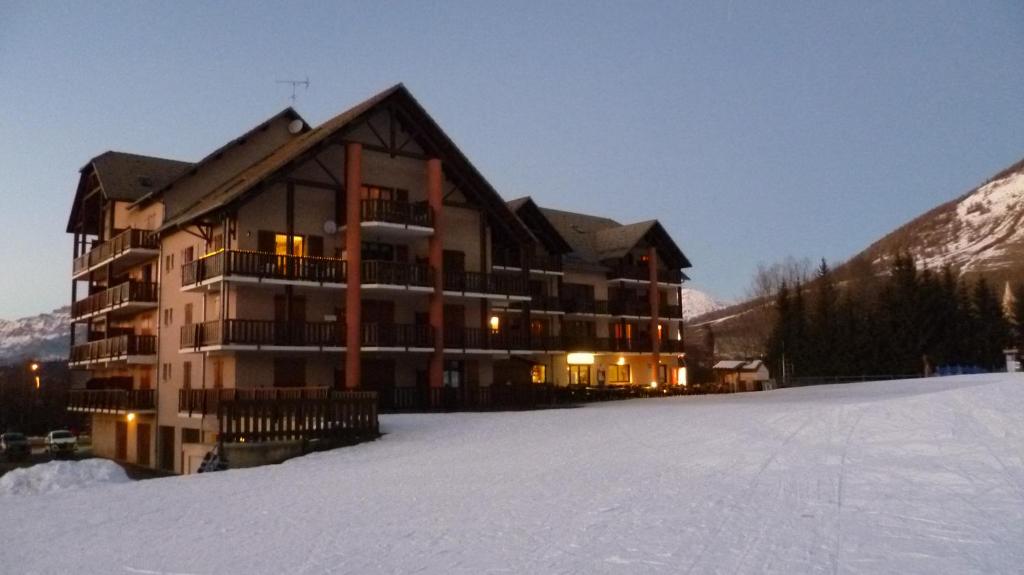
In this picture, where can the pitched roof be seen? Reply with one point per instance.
(260, 171)
(533, 218)
(126, 177)
(732, 365)
(288, 112)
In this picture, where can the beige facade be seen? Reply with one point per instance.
(249, 253)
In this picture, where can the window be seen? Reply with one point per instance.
(378, 251)
(618, 373)
(188, 254)
(579, 375)
(167, 372)
(370, 192)
(624, 331)
(186, 375)
(453, 374)
(538, 373)
(168, 316)
(662, 374)
(188, 314)
(169, 263)
(281, 245)
(218, 243)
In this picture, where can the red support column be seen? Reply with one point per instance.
(652, 267)
(436, 260)
(354, 256)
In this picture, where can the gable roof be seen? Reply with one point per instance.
(533, 218)
(126, 177)
(309, 141)
(288, 113)
(733, 365)
(594, 238)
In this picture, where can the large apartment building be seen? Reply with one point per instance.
(365, 253)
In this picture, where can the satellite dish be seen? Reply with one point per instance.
(330, 227)
(295, 126)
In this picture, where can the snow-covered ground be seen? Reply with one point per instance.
(921, 476)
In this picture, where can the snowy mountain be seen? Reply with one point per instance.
(696, 303)
(43, 336)
(979, 232)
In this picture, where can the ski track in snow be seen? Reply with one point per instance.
(919, 476)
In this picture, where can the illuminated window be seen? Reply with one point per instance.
(618, 373)
(538, 374)
(281, 245)
(579, 375)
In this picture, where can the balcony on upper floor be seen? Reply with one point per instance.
(262, 268)
(121, 300)
(641, 309)
(642, 274)
(117, 350)
(541, 264)
(586, 307)
(395, 219)
(270, 335)
(380, 275)
(114, 401)
(479, 285)
(120, 252)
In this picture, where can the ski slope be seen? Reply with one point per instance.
(920, 476)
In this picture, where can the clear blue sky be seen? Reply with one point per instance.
(752, 130)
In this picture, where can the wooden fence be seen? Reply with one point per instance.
(346, 416)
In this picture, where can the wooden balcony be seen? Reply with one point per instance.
(400, 276)
(248, 334)
(262, 267)
(585, 307)
(128, 297)
(125, 249)
(639, 308)
(254, 415)
(397, 337)
(129, 349)
(392, 218)
(478, 340)
(641, 274)
(481, 285)
(116, 401)
(537, 264)
(207, 401)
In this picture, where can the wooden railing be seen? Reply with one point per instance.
(643, 308)
(207, 401)
(127, 292)
(642, 273)
(510, 396)
(114, 347)
(536, 262)
(397, 335)
(395, 212)
(262, 332)
(476, 282)
(397, 273)
(115, 246)
(263, 265)
(585, 306)
(111, 400)
(343, 415)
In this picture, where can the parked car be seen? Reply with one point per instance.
(61, 442)
(14, 446)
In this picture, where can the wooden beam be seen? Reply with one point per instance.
(313, 184)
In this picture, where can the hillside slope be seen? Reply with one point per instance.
(43, 336)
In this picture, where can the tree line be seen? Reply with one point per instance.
(910, 321)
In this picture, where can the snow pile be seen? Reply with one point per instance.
(696, 303)
(61, 476)
(918, 476)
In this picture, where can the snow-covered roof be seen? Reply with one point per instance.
(734, 365)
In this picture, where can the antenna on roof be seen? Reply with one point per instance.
(295, 84)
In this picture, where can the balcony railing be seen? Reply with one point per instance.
(397, 335)
(397, 274)
(643, 273)
(263, 266)
(114, 348)
(125, 293)
(643, 308)
(480, 283)
(111, 400)
(396, 212)
(206, 401)
(127, 240)
(585, 306)
(262, 333)
(537, 262)
(472, 338)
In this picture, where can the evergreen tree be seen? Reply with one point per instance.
(1017, 314)
(992, 327)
